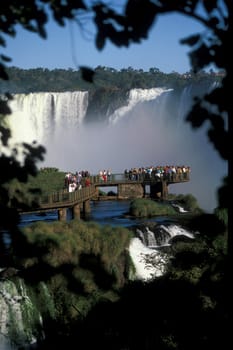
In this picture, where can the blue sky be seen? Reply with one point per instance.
(66, 47)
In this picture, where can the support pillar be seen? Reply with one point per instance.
(76, 211)
(86, 207)
(130, 190)
(164, 190)
(62, 214)
(159, 190)
(156, 190)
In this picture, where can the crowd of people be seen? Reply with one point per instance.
(76, 181)
(167, 172)
(81, 179)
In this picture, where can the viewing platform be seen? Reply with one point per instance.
(127, 187)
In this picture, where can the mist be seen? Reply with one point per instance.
(143, 135)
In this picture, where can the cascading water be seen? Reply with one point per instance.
(136, 96)
(149, 130)
(20, 320)
(145, 249)
(43, 116)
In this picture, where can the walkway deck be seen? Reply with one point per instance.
(126, 188)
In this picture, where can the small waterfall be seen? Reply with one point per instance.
(179, 208)
(152, 240)
(145, 249)
(18, 316)
(176, 230)
(161, 235)
(149, 263)
(21, 324)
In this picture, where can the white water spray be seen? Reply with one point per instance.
(149, 261)
(145, 132)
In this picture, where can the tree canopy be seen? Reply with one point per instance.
(62, 80)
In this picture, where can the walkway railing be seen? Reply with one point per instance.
(63, 199)
(141, 178)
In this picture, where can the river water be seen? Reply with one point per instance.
(110, 212)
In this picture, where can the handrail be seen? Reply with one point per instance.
(140, 178)
(62, 199)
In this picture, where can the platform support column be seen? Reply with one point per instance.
(76, 211)
(86, 207)
(164, 190)
(62, 214)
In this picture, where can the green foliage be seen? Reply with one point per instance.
(80, 260)
(188, 263)
(110, 84)
(49, 170)
(142, 207)
(42, 297)
(47, 180)
(16, 173)
(188, 202)
(222, 214)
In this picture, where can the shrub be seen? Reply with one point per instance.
(188, 202)
(142, 207)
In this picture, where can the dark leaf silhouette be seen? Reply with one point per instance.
(210, 5)
(197, 116)
(191, 40)
(5, 58)
(3, 74)
(200, 57)
(87, 74)
(100, 40)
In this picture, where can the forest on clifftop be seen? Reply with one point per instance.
(60, 80)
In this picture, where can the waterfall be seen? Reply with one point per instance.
(20, 320)
(148, 263)
(136, 96)
(45, 115)
(148, 238)
(161, 235)
(149, 130)
(145, 249)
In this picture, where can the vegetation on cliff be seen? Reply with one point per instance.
(80, 263)
(143, 207)
(107, 80)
